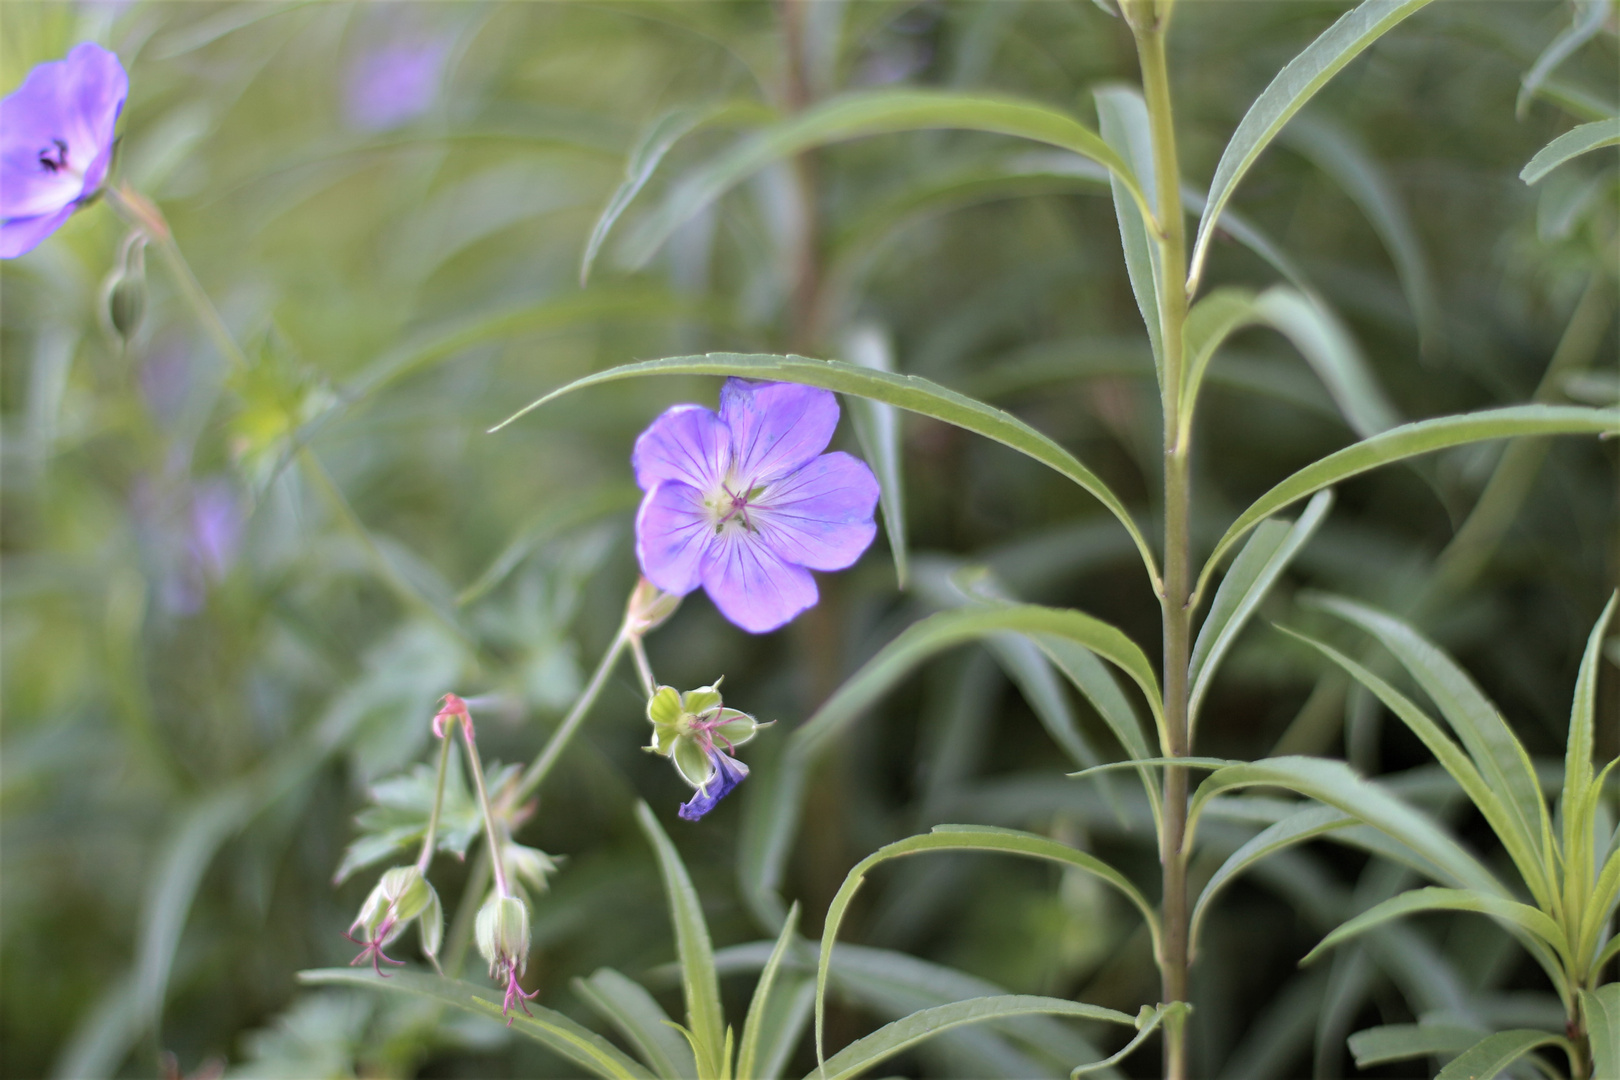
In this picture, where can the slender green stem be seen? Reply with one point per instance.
(643, 668)
(425, 859)
(536, 773)
(1149, 26)
(497, 863)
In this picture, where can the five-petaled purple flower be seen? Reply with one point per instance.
(56, 141)
(746, 504)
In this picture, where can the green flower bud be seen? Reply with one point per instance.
(686, 727)
(502, 931)
(649, 606)
(124, 294)
(529, 866)
(400, 896)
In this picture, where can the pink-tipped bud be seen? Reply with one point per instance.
(453, 710)
(649, 606)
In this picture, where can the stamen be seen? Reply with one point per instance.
(54, 158)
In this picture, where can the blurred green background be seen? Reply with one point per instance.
(231, 599)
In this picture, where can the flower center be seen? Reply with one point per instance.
(732, 505)
(54, 158)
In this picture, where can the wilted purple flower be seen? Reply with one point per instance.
(391, 85)
(746, 504)
(728, 773)
(56, 141)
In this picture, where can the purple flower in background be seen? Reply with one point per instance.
(391, 85)
(746, 504)
(728, 773)
(216, 527)
(56, 141)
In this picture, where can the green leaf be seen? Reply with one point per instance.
(1306, 824)
(748, 1051)
(1337, 785)
(1209, 323)
(1578, 815)
(661, 135)
(1122, 119)
(1571, 144)
(1600, 1009)
(1341, 155)
(1511, 797)
(1294, 85)
(902, 1034)
(628, 1006)
(907, 392)
(860, 114)
(877, 426)
(1494, 1053)
(1253, 573)
(1518, 918)
(699, 984)
(1588, 20)
(1410, 440)
(963, 838)
(1306, 320)
(1401, 1042)
(553, 1030)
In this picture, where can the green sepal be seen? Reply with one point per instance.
(692, 762)
(735, 728)
(702, 701)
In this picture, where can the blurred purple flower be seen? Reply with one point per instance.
(746, 504)
(391, 85)
(728, 773)
(216, 527)
(56, 141)
(194, 532)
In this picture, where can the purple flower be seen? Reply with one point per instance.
(393, 84)
(746, 504)
(56, 141)
(727, 773)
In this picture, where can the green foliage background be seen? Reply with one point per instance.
(184, 752)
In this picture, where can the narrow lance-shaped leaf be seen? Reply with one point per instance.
(770, 828)
(907, 392)
(1294, 85)
(963, 838)
(1402, 1042)
(1588, 20)
(877, 426)
(1122, 120)
(628, 1006)
(753, 1026)
(699, 983)
(553, 1030)
(1600, 1009)
(1246, 584)
(1307, 321)
(1579, 856)
(903, 1034)
(1522, 846)
(867, 113)
(1492, 1055)
(1411, 440)
(1571, 144)
(1520, 919)
(1496, 752)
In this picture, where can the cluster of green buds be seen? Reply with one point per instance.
(401, 895)
(687, 728)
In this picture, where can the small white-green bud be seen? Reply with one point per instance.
(503, 934)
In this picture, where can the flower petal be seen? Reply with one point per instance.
(753, 586)
(673, 534)
(776, 427)
(728, 773)
(77, 101)
(19, 236)
(687, 443)
(821, 516)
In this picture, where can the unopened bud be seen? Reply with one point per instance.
(503, 935)
(124, 294)
(400, 896)
(529, 866)
(649, 606)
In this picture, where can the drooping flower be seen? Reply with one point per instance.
(746, 504)
(401, 895)
(391, 85)
(697, 733)
(56, 142)
(502, 933)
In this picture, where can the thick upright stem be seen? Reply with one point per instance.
(1149, 23)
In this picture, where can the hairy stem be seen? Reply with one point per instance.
(537, 772)
(1149, 26)
(425, 859)
(503, 886)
